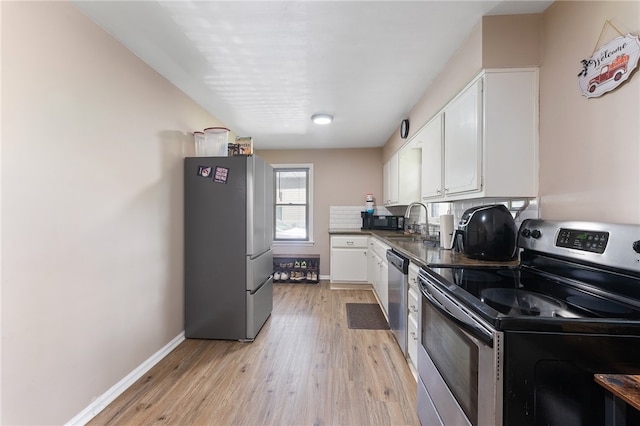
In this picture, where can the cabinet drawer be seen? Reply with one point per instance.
(412, 304)
(380, 248)
(349, 241)
(412, 340)
(413, 276)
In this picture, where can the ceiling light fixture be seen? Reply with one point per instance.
(321, 118)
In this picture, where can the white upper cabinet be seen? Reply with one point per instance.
(431, 138)
(463, 141)
(409, 172)
(484, 143)
(510, 134)
(402, 181)
(390, 184)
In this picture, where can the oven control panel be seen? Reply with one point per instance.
(590, 241)
(607, 244)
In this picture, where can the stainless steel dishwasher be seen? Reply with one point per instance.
(398, 272)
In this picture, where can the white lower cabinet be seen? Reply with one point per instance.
(378, 270)
(373, 267)
(384, 285)
(413, 299)
(349, 258)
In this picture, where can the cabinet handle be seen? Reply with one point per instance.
(413, 334)
(349, 243)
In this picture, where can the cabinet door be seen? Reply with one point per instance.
(463, 142)
(394, 171)
(349, 264)
(384, 285)
(412, 278)
(375, 279)
(510, 120)
(390, 183)
(385, 184)
(412, 340)
(371, 263)
(431, 138)
(409, 172)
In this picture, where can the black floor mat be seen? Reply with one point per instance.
(367, 316)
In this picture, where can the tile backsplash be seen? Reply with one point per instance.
(348, 217)
(520, 208)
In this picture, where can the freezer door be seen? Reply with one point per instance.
(259, 269)
(259, 306)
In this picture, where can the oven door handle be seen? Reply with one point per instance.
(477, 332)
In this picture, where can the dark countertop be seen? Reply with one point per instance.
(421, 253)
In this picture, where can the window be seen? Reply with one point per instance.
(293, 213)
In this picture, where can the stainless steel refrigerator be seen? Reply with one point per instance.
(228, 214)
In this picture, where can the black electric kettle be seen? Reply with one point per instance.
(487, 233)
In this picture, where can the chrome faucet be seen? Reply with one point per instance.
(407, 215)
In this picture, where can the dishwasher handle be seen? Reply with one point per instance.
(400, 262)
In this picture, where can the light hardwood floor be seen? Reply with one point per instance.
(306, 367)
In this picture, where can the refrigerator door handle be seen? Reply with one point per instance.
(255, 256)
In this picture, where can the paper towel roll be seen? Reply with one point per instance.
(446, 230)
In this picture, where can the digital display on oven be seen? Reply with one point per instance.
(591, 241)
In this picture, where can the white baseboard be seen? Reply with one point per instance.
(101, 402)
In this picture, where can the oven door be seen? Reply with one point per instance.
(459, 363)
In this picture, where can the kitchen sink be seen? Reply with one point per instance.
(413, 239)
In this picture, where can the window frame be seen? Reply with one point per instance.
(309, 205)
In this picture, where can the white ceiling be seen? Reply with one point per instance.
(264, 67)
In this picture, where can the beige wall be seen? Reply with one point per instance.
(92, 149)
(512, 41)
(342, 177)
(465, 64)
(589, 148)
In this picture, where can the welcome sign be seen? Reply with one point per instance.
(609, 66)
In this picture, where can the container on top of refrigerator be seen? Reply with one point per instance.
(198, 138)
(216, 142)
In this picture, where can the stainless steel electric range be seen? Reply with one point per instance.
(520, 346)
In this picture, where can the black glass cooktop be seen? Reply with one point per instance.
(502, 293)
